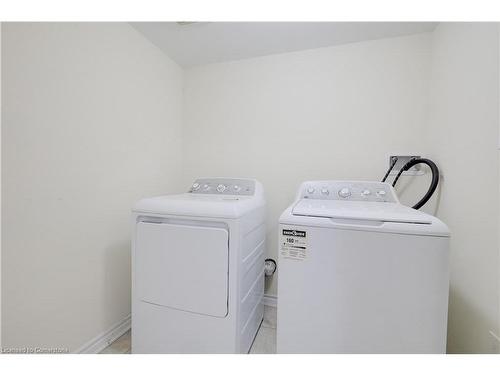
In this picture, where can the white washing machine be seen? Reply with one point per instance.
(360, 273)
(198, 268)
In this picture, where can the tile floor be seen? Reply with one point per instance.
(265, 341)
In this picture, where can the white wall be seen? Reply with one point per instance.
(463, 138)
(91, 122)
(327, 113)
(330, 113)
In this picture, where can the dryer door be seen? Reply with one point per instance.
(183, 267)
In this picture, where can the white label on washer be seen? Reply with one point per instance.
(293, 243)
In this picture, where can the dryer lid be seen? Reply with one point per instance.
(217, 197)
(188, 204)
(355, 210)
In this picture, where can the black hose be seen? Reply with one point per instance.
(434, 181)
(393, 163)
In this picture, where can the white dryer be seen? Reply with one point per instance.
(360, 273)
(198, 268)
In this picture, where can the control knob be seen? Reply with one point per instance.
(344, 193)
(195, 186)
(221, 188)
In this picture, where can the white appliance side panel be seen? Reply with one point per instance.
(183, 267)
(363, 292)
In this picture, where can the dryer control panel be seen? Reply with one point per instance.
(223, 186)
(367, 191)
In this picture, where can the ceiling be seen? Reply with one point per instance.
(199, 43)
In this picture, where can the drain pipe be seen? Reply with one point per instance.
(269, 267)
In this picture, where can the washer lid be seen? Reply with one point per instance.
(386, 217)
(355, 210)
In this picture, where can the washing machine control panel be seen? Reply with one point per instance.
(368, 191)
(223, 186)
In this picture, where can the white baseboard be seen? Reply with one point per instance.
(99, 343)
(270, 300)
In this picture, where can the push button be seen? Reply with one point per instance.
(365, 193)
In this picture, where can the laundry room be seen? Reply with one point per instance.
(250, 187)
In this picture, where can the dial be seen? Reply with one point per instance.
(381, 193)
(221, 188)
(195, 186)
(344, 193)
(325, 191)
(310, 190)
(236, 188)
(206, 187)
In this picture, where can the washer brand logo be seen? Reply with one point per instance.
(296, 233)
